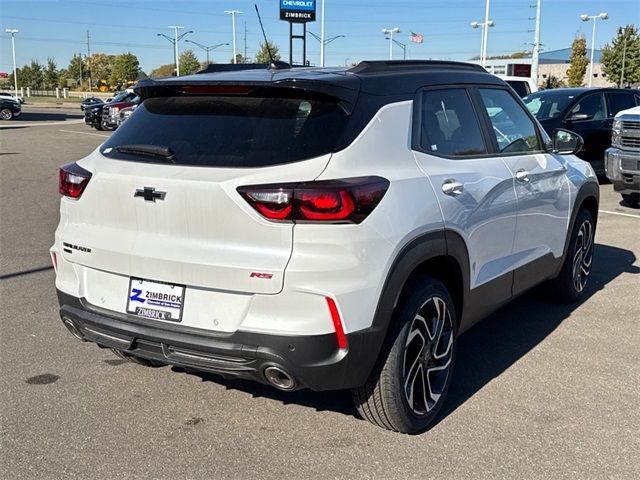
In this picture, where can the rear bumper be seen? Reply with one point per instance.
(313, 361)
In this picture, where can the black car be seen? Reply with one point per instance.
(9, 109)
(90, 101)
(93, 113)
(586, 111)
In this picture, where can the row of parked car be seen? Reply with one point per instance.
(109, 115)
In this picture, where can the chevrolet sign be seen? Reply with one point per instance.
(298, 11)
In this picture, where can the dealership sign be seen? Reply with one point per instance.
(298, 11)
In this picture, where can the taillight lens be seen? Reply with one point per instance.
(335, 201)
(73, 180)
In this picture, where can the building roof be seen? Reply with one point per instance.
(564, 54)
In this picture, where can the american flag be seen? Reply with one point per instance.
(416, 37)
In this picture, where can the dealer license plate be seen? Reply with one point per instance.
(157, 300)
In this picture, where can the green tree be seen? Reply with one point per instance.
(578, 62)
(240, 58)
(263, 54)
(50, 74)
(101, 66)
(552, 82)
(189, 63)
(125, 69)
(77, 68)
(625, 45)
(167, 70)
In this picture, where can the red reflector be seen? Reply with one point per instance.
(54, 260)
(217, 89)
(73, 179)
(341, 338)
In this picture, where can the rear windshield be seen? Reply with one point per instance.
(231, 131)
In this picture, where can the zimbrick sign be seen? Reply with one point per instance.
(298, 11)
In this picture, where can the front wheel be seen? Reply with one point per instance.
(631, 199)
(569, 286)
(6, 114)
(409, 383)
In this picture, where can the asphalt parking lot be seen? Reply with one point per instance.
(540, 390)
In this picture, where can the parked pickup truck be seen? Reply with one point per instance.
(111, 111)
(93, 114)
(622, 161)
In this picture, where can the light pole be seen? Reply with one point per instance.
(586, 18)
(13, 32)
(390, 32)
(205, 48)
(535, 55)
(174, 41)
(321, 39)
(233, 14)
(483, 39)
(403, 46)
(323, 43)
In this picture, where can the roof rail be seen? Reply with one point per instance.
(381, 66)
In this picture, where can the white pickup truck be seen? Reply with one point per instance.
(622, 160)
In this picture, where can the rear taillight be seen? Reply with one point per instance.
(348, 200)
(73, 180)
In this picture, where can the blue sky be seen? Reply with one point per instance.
(57, 28)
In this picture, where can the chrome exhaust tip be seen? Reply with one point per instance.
(279, 378)
(75, 331)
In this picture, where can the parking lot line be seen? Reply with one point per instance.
(42, 124)
(86, 133)
(619, 213)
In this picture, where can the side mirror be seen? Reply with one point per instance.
(566, 142)
(579, 117)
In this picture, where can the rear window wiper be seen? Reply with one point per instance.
(153, 151)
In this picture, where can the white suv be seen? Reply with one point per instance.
(320, 228)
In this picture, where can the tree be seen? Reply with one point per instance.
(125, 69)
(188, 63)
(101, 66)
(552, 82)
(263, 54)
(50, 74)
(77, 68)
(240, 58)
(578, 62)
(167, 70)
(626, 44)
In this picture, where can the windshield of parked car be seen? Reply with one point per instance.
(232, 131)
(547, 104)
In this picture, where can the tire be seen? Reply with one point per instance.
(137, 360)
(6, 114)
(569, 286)
(390, 397)
(631, 199)
(99, 127)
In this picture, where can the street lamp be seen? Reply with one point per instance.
(483, 38)
(390, 32)
(174, 41)
(403, 46)
(13, 32)
(233, 14)
(205, 48)
(324, 43)
(586, 18)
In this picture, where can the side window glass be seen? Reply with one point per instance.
(620, 101)
(592, 105)
(449, 124)
(514, 130)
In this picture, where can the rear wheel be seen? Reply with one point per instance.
(410, 381)
(136, 360)
(631, 199)
(6, 114)
(570, 285)
(99, 127)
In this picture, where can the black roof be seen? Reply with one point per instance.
(374, 77)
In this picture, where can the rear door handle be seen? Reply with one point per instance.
(452, 187)
(522, 175)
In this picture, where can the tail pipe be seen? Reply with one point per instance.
(279, 378)
(73, 329)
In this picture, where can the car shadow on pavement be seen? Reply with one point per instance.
(484, 352)
(47, 116)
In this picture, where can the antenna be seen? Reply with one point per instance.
(266, 42)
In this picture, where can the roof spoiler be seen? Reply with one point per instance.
(237, 67)
(381, 66)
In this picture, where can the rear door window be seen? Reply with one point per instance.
(232, 131)
(449, 125)
(620, 101)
